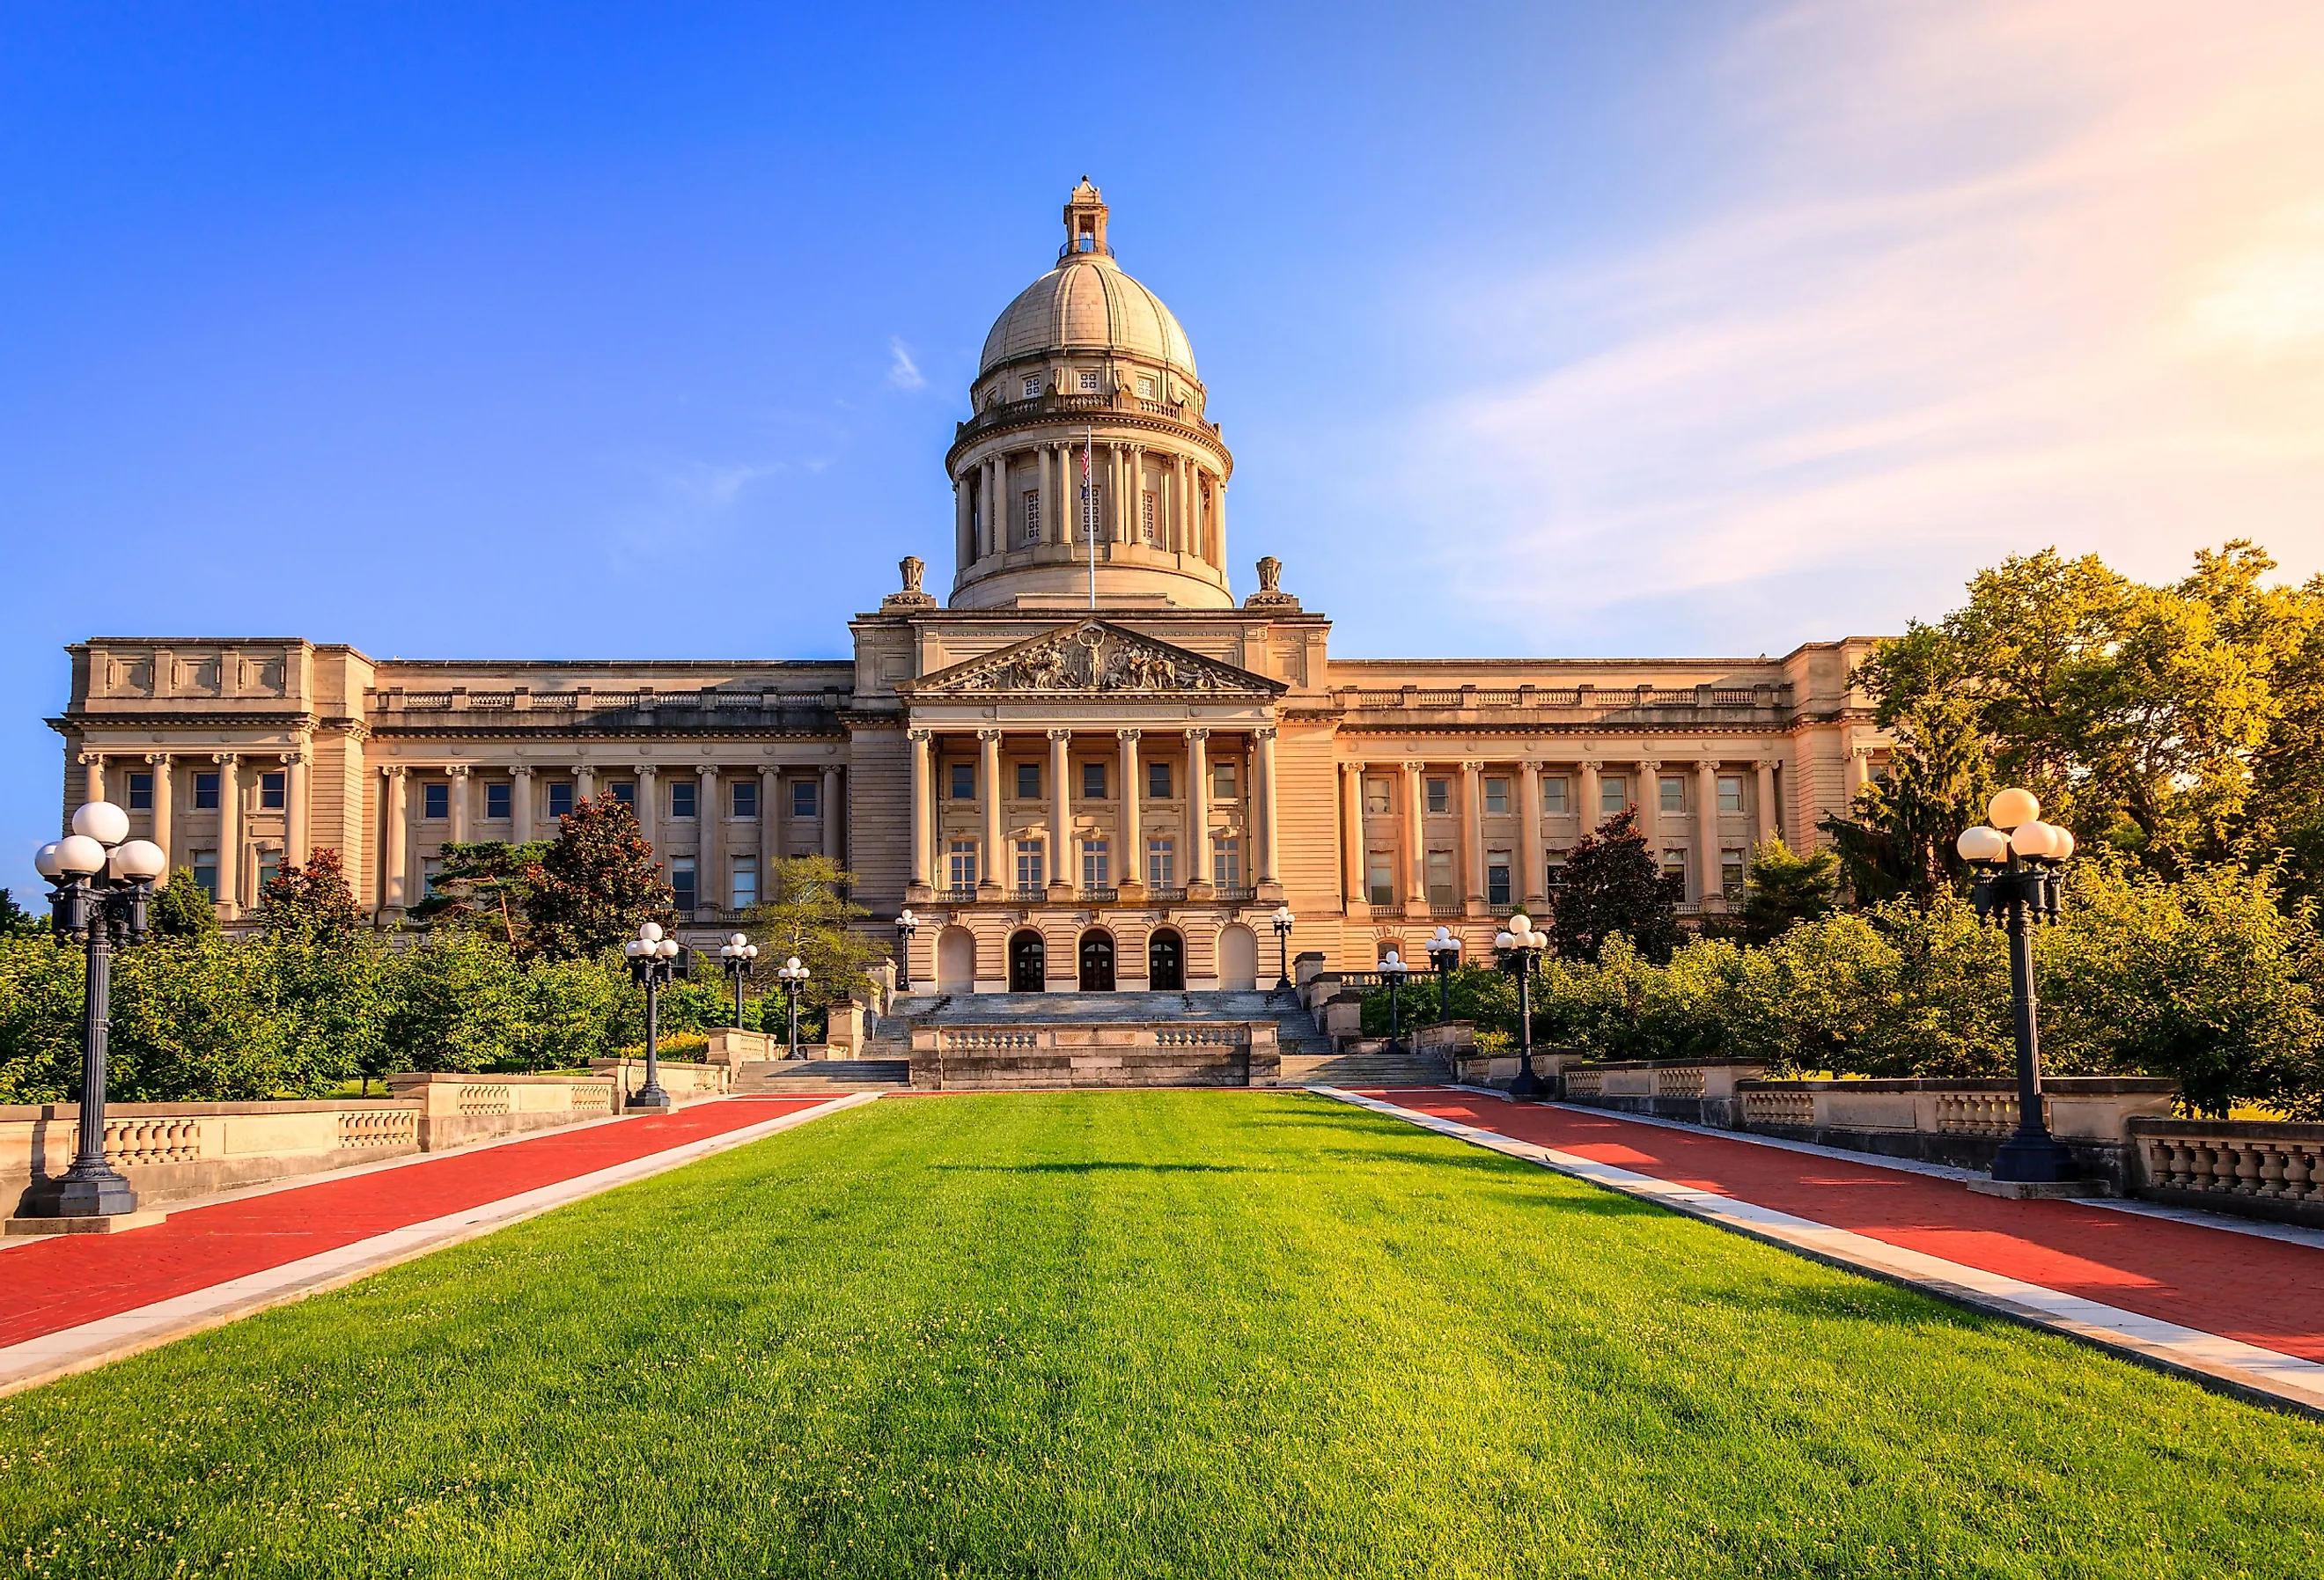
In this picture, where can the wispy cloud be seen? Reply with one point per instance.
(903, 372)
(1995, 275)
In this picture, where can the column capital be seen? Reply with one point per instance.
(1472, 767)
(1127, 734)
(1265, 732)
(1061, 734)
(988, 734)
(292, 757)
(457, 770)
(920, 737)
(1767, 763)
(1649, 764)
(1709, 765)
(393, 770)
(1414, 767)
(1198, 735)
(709, 770)
(520, 770)
(646, 770)
(158, 759)
(89, 759)
(226, 758)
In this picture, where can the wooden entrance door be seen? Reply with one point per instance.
(1097, 962)
(1166, 963)
(1028, 966)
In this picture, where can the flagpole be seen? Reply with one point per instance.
(1089, 513)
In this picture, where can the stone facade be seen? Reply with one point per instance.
(1090, 764)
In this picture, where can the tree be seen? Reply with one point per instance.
(311, 900)
(17, 922)
(492, 884)
(594, 884)
(1781, 888)
(182, 909)
(1610, 885)
(458, 1002)
(808, 913)
(1898, 839)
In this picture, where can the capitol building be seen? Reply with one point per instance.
(1090, 764)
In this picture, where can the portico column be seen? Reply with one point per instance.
(649, 806)
(520, 804)
(1767, 807)
(1472, 840)
(1182, 508)
(229, 877)
(831, 811)
(1649, 802)
(584, 781)
(399, 836)
(1591, 813)
(1198, 815)
(159, 761)
(1532, 888)
(294, 809)
(1859, 770)
(988, 786)
(1268, 874)
(1415, 842)
(92, 780)
(709, 852)
(1352, 834)
(964, 540)
(771, 848)
(1061, 815)
(459, 775)
(1217, 546)
(920, 783)
(1706, 827)
(1131, 880)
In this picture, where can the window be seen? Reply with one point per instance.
(1158, 780)
(436, 801)
(1440, 794)
(1674, 871)
(496, 799)
(1094, 790)
(807, 799)
(1497, 795)
(1730, 874)
(141, 792)
(742, 799)
(1730, 792)
(1614, 792)
(1032, 386)
(1439, 877)
(1554, 870)
(430, 869)
(270, 867)
(1088, 383)
(271, 795)
(1376, 797)
(1096, 865)
(964, 782)
(1032, 515)
(681, 884)
(1223, 780)
(681, 797)
(1554, 793)
(560, 801)
(1029, 866)
(746, 881)
(1379, 878)
(1496, 879)
(1028, 781)
(205, 792)
(205, 865)
(1161, 862)
(1671, 795)
(1148, 389)
(624, 790)
(962, 856)
(1226, 863)
(1146, 516)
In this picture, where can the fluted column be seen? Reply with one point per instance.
(1532, 888)
(1061, 814)
(294, 809)
(164, 807)
(649, 808)
(1766, 809)
(831, 811)
(920, 820)
(1472, 838)
(1352, 835)
(1415, 842)
(520, 804)
(1197, 878)
(1268, 875)
(459, 776)
(394, 866)
(1131, 877)
(1648, 797)
(988, 787)
(963, 540)
(1592, 813)
(229, 879)
(710, 846)
(1706, 827)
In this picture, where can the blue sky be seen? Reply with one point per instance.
(563, 331)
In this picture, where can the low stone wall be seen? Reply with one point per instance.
(685, 1080)
(1693, 1091)
(2262, 1169)
(457, 1109)
(1499, 1070)
(170, 1151)
(1160, 1053)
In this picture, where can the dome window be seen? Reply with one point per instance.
(1089, 383)
(1033, 386)
(1146, 388)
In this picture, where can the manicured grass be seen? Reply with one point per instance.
(1137, 1335)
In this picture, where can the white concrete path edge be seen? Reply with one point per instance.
(94, 1343)
(2258, 1376)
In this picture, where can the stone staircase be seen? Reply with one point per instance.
(821, 1077)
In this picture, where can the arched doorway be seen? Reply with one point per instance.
(1097, 961)
(1238, 959)
(1165, 962)
(955, 960)
(1028, 962)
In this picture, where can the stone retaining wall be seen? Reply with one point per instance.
(170, 1151)
(457, 1109)
(2271, 1169)
(1172, 1053)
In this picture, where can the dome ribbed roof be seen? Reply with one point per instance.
(1087, 304)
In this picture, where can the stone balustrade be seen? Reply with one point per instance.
(1693, 1091)
(455, 1110)
(2264, 1170)
(685, 1080)
(171, 1152)
(1113, 1053)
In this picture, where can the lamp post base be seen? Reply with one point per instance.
(97, 1194)
(2038, 1189)
(2033, 1159)
(1527, 1084)
(647, 1097)
(110, 1223)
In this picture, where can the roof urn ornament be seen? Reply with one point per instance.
(1271, 594)
(913, 567)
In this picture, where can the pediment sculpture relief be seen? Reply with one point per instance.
(1096, 658)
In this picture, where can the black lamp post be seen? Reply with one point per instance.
(101, 882)
(738, 955)
(1519, 949)
(653, 961)
(907, 924)
(1283, 921)
(1445, 954)
(2017, 857)
(793, 976)
(1392, 972)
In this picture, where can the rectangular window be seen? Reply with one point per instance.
(270, 867)
(1730, 874)
(1554, 793)
(1223, 780)
(1161, 863)
(962, 859)
(1496, 879)
(1730, 793)
(1158, 780)
(1671, 794)
(1032, 515)
(1146, 516)
(1379, 878)
(1093, 789)
(1674, 871)
(681, 884)
(1028, 781)
(1226, 864)
(1088, 382)
(1439, 877)
(436, 801)
(497, 799)
(746, 881)
(205, 865)
(1497, 795)
(1097, 865)
(430, 869)
(271, 791)
(963, 776)
(560, 801)
(681, 797)
(1377, 800)
(1032, 386)
(1614, 793)
(742, 799)
(625, 791)
(1554, 870)
(1029, 866)
(807, 799)
(1147, 387)
(141, 792)
(205, 792)
(1440, 794)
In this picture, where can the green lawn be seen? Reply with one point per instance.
(1137, 1335)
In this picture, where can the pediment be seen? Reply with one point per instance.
(1094, 658)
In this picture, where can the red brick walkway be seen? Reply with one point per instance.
(2259, 1291)
(58, 1283)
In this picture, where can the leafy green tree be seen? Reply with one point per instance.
(199, 1018)
(490, 884)
(1610, 885)
(457, 1004)
(181, 909)
(1898, 838)
(808, 913)
(594, 884)
(309, 900)
(574, 1011)
(17, 922)
(1782, 888)
(40, 1020)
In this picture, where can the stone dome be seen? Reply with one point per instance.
(1087, 304)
